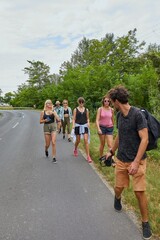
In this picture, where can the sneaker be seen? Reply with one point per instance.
(54, 160)
(63, 136)
(89, 159)
(147, 233)
(46, 153)
(75, 153)
(117, 204)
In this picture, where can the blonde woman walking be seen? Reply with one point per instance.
(48, 117)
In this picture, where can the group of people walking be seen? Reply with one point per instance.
(129, 145)
(60, 118)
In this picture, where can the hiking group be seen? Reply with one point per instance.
(129, 145)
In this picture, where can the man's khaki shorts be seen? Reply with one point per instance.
(49, 128)
(123, 178)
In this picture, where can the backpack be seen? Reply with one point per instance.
(153, 129)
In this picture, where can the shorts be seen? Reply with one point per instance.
(106, 130)
(123, 178)
(76, 131)
(49, 128)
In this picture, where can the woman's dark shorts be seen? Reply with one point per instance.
(106, 130)
(76, 131)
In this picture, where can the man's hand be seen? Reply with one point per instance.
(133, 169)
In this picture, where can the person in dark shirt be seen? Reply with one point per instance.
(48, 117)
(131, 143)
(81, 127)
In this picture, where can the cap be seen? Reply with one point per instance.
(58, 102)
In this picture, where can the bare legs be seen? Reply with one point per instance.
(50, 138)
(78, 138)
(105, 139)
(142, 201)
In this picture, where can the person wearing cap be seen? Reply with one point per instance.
(58, 109)
(80, 126)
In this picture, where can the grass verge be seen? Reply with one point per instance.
(153, 183)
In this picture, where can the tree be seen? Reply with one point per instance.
(38, 73)
(8, 97)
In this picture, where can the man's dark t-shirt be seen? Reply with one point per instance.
(129, 140)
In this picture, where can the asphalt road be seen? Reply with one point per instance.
(40, 200)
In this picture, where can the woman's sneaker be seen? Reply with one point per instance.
(75, 153)
(54, 160)
(46, 153)
(146, 229)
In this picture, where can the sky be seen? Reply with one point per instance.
(50, 30)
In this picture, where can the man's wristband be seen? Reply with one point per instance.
(111, 152)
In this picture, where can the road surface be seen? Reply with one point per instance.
(40, 200)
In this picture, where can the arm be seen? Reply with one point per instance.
(42, 120)
(70, 115)
(97, 121)
(88, 122)
(143, 134)
(56, 116)
(62, 113)
(74, 118)
(113, 116)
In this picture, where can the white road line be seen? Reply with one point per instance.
(15, 125)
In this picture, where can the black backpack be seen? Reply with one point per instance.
(153, 129)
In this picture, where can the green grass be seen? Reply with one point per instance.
(153, 182)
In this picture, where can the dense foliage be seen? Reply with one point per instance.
(94, 68)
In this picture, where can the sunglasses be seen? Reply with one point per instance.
(106, 101)
(65, 103)
(81, 101)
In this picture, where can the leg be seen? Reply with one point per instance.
(86, 143)
(53, 137)
(64, 127)
(109, 140)
(118, 191)
(139, 186)
(59, 126)
(68, 129)
(47, 141)
(102, 144)
(87, 147)
(121, 181)
(78, 138)
(143, 206)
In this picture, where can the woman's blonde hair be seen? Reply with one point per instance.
(45, 104)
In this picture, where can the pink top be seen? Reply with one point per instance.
(105, 117)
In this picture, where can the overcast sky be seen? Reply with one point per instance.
(50, 30)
